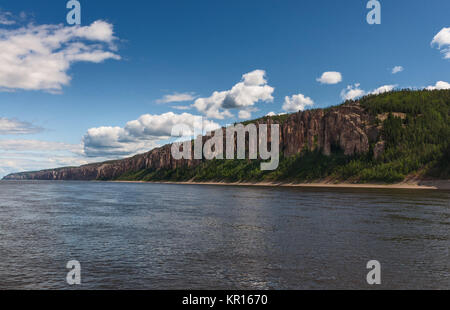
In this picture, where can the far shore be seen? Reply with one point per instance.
(421, 185)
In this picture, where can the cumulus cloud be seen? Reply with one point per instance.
(352, 92)
(297, 103)
(247, 112)
(397, 69)
(442, 40)
(16, 127)
(383, 89)
(38, 57)
(439, 86)
(330, 78)
(140, 135)
(113, 141)
(177, 97)
(252, 89)
(244, 114)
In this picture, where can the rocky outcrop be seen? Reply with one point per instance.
(378, 149)
(346, 127)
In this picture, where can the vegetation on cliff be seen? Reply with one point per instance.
(414, 139)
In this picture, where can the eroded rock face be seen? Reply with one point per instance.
(302, 130)
(379, 148)
(347, 127)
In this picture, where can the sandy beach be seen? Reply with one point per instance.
(419, 185)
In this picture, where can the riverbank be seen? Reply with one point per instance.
(420, 185)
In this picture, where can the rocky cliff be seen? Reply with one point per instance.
(347, 127)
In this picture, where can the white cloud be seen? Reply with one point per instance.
(247, 112)
(330, 78)
(140, 135)
(297, 103)
(442, 40)
(397, 69)
(247, 93)
(6, 18)
(177, 97)
(14, 163)
(352, 92)
(16, 127)
(243, 114)
(29, 155)
(275, 114)
(39, 57)
(439, 86)
(160, 126)
(383, 89)
(181, 107)
(37, 145)
(114, 142)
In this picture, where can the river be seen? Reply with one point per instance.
(160, 236)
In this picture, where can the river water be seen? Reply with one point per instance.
(158, 236)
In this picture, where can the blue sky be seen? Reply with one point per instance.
(192, 49)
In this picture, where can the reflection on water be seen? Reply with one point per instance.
(151, 236)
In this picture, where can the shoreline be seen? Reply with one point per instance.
(422, 185)
(411, 184)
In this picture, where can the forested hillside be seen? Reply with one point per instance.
(414, 138)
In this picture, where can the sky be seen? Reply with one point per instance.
(116, 84)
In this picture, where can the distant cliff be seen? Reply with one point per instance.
(347, 126)
(367, 140)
